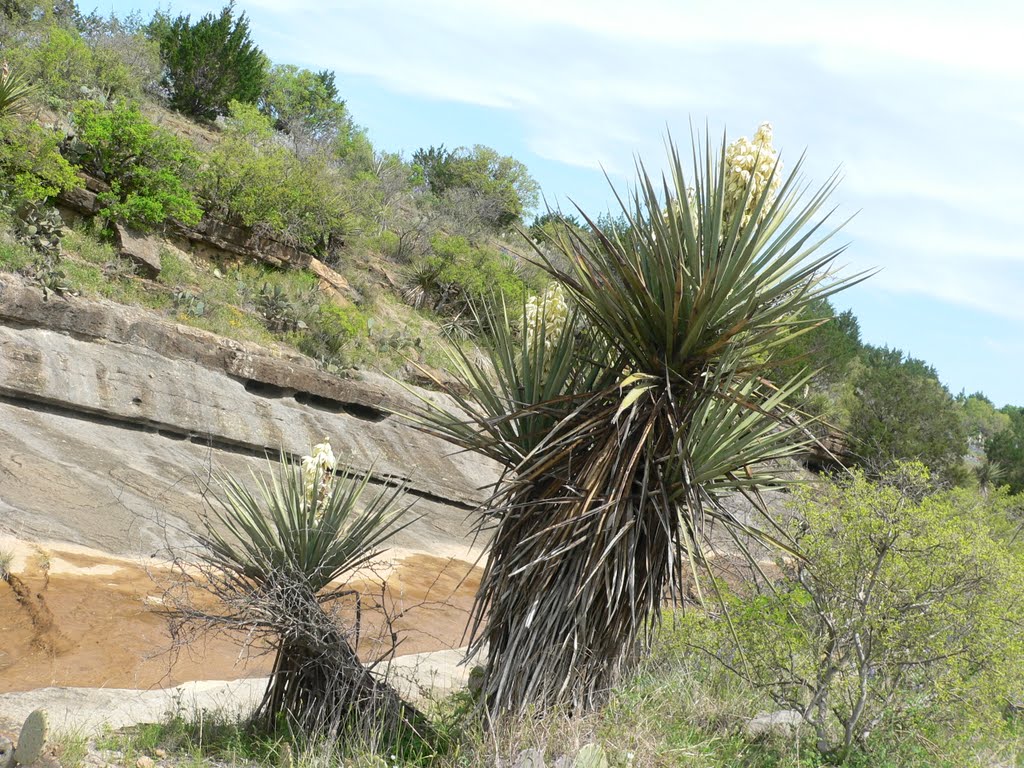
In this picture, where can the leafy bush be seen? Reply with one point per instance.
(457, 276)
(89, 55)
(124, 60)
(980, 418)
(331, 329)
(57, 60)
(251, 180)
(908, 606)
(31, 166)
(148, 168)
(306, 106)
(210, 63)
(503, 183)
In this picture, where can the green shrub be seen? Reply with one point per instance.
(58, 61)
(31, 166)
(148, 168)
(124, 61)
(907, 610)
(331, 329)
(15, 257)
(252, 180)
(498, 186)
(174, 270)
(306, 106)
(457, 275)
(66, 58)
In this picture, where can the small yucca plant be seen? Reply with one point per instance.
(14, 92)
(621, 421)
(278, 562)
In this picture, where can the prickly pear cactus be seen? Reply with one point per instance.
(591, 756)
(41, 228)
(33, 737)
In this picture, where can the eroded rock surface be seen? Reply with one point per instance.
(111, 417)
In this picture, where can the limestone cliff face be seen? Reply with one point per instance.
(112, 419)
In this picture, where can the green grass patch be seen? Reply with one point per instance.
(15, 257)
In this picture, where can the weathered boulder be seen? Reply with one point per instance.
(142, 249)
(79, 200)
(784, 723)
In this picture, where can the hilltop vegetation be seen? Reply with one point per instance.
(579, 349)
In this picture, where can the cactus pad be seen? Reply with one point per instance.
(33, 737)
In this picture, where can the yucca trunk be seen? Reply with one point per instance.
(549, 644)
(319, 683)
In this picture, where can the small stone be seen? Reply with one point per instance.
(32, 740)
(784, 723)
(160, 753)
(476, 681)
(6, 752)
(145, 762)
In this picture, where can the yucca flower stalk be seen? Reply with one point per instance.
(277, 561)
(619, 436)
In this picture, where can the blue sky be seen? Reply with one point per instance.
(921, 105)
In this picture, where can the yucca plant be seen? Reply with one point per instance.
(277, 562)
(14, 92)
(621, 420)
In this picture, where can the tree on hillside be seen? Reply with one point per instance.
(1006, 448)
(501, 181)
(900, 411)
(552, 223)
(980, 417)
(827, 347)
(305, 105)
(210, 63)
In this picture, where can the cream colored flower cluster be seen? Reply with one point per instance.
(676, 208)
(747, 160)
(551, 309)
(320, 465)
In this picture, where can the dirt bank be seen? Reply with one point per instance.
(71, 616)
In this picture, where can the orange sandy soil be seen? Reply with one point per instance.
(71, 617)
